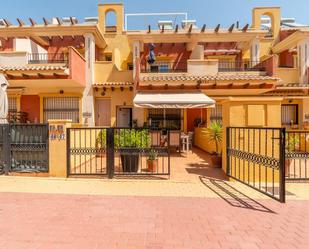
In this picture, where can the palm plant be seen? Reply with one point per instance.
(214, 133)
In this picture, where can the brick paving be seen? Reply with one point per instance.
(61, 221)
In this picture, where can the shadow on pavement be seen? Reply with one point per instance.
(233, 196)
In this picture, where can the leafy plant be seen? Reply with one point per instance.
(292, 143)
(101, 139)
(132, 138)
(153, 155)
(214, 133)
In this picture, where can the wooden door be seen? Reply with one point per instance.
(103, 112)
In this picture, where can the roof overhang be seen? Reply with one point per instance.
(173, 100)
(39, 31)
(291, 41)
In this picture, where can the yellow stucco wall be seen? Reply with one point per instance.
(201, 140)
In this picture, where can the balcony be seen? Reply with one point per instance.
(47, 58)
(241, 66)
(164, 67)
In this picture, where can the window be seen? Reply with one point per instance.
(165, 118)
(130, 66)
(61, 108)
(108, 57)
(216, 114)
(12, 104)
(289, 114)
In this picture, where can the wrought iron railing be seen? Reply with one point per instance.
(297, 155)
(239, 66)
(117, 151)
(47, 58)
(164, 67)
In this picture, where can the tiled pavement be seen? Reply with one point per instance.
(196, 208)
(79, 221)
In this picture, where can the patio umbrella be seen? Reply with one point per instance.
(4, 103)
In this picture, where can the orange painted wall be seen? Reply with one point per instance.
(77, 67)
(31, 105)
(7, 45)
(193, 114)
(58, 45)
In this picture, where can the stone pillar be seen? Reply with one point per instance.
(255, 52)
(88, 99)
(58, 147)
(303, 61)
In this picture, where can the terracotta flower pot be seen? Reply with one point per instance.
(216, 161)
(152, 165)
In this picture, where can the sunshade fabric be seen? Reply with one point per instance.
(4, 104)
(173, 100)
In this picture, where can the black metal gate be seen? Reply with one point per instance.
(297, 155)
(117, 151)
(256, 157)
(24, 148)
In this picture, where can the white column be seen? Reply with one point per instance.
(303, 61)
(255, 51)
(88, 99)
(136, 57)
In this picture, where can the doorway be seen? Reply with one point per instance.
(124, 117)
(103, 112)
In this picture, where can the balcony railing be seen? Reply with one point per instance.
(164, 67)
(47, 58)
(241, 66)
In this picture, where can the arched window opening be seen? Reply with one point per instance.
(267, 24)
(110, 21)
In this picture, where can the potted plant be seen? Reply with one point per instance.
(214, 134)
(292, 144)
(152, 161)
(101, 143)
(130, 142)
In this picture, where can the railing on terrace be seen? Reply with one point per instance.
(164, 67)
(240, 66)
(47, 58)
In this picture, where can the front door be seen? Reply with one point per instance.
(103, 112)
(124, 117)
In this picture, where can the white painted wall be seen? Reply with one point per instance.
(303, 55)
(8, 59)
(27, 45)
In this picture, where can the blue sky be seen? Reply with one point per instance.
(204, 11)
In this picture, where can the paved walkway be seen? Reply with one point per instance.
(78, 221)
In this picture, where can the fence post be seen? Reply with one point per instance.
(282, 165)
(110, 151)
(7, 148)
(227, 151)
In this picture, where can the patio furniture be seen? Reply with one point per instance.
(185, 140)
(174, 140)
(191, 139)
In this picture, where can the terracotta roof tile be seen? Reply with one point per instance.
(114, 83)
(206, 77)
(32, 68)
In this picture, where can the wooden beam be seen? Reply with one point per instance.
(25, 75)
(230, 85)
(203, 28)
(182, 86)
(149, 29)
(33, 23)
(166, 86)
(176, 28)
(246, 85)
(56, 75)
(73, 21)
(42, 76)
(20, 22)
(245, 28)
(217, 28)
(7, 22)
(46, 22)
(40, 40)
(231, 28)
(10, 76)
(162, 30)
(190, 28)
(58, 21)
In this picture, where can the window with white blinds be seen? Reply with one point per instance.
(61, 108)
(12, 104)
(216, 114)
(289, 114)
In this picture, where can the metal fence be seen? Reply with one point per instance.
(47, 58)
(256, 157)
(297, 155)
(24, 148)
(117, 151)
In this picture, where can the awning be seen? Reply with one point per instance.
(173, 100)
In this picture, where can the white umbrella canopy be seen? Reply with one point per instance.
(4, 103)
